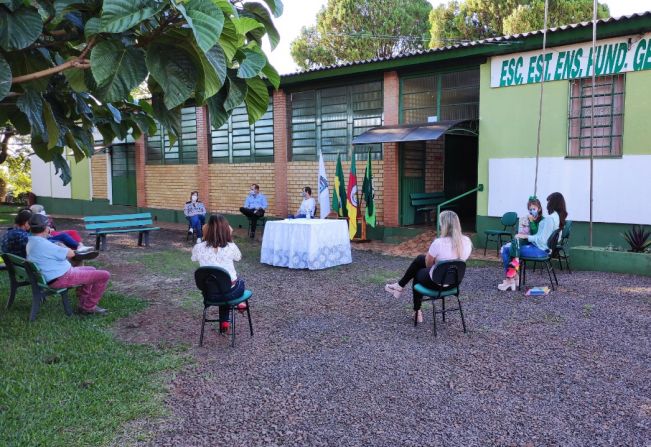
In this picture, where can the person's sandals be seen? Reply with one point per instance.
(241, 308)
(223, 327)
(508, 283)
(394, 289)
(94, 311)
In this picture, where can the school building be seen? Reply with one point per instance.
(440, 120)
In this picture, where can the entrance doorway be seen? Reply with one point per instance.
(123, 174)
(412, 177)
(461, 157)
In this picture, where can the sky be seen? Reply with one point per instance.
(299, 13)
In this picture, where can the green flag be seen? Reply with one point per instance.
(369, 193)
(339, 194)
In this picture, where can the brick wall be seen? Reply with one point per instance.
(304, 173)
(98, 176)
(203, 129)
(169, 187)
(141, 173)
(434, 165)
(391, 117)
(281, 142)
(230, 183)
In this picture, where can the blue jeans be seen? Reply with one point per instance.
(196, 222)
(297, 216)
(65, 239)
(526, 250)
(237, 290)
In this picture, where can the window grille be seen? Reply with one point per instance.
(184, 150)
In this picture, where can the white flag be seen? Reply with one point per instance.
(324, 190)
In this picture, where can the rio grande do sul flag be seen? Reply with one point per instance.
(351, 197)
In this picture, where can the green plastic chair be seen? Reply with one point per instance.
(25, 273)
(448, 276)
(546, 260)
(562, 252)
(509, 221)
(214, 282)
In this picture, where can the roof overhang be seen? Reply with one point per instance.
(414, 132)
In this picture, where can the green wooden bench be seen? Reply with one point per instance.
(426, 202)
(25, 273)
(101, 226)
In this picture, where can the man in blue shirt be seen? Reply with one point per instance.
(254, 207)
(54, 262)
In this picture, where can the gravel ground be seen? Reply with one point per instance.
(336, 361)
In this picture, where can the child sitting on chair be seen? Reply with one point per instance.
(218, 250)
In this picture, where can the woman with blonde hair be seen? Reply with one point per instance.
(452, 244)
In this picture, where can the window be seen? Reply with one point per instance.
(606, 135)
(328, 119)
(238, 142)
(447, 96)
(184, 150)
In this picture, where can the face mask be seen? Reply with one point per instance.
(194, 198)
(252, 192)
(303, 194)
(533, 212)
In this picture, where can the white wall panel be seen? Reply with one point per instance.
(621, 186)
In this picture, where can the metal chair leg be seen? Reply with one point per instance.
(248, 314)
(203, 324)
(443, 308)
(434, 315)
(66, 304)
(463, 320)
(485, 245)
(499, 245)
(37, 298)
(232, 311)
(549, 273)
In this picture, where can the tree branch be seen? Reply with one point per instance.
(80, 62)
(4, 144)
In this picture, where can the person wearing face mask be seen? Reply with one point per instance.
(195, 212)
(534, 243)
(308, 205)
(254, 207)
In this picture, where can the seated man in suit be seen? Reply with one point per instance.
(254, 207)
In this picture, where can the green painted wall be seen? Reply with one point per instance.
(637, 113)
(508, 124)
(80, 183)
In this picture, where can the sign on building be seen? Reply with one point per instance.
(613, 56)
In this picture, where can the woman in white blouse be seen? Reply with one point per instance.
(218, 250)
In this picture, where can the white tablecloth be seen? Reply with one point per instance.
(306, 243)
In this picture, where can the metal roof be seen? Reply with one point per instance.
(493, 41)
(409, 132)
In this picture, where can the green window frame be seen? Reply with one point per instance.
(607, 133)
(184, 150)
(444, 96)
(328, 119)
(237, 141)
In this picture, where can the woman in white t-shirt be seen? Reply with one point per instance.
(451, 245)
(218, 250)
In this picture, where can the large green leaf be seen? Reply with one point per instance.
(19, 29)
(272, 75)
(175, 72)
(169, 119)
(217, 59)
(230, 40)
(218, 115)
(117, 69)
(93, 26)
(61, 165)
(236, 92)
(257, 99)
(53, 131)
(227, 7)
(276, 7)
(5, 78)
(31, 104)
(252, 64)
(76, 78)
(244, 25)
(212, 74)
(26, 62)
(205, 19)
(120, 15)
(260, 13)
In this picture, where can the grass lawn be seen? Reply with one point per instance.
(67, 380)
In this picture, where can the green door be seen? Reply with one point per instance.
(412, 177)
(123, 174)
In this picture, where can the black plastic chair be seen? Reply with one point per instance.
(562, 252)
(214, 283)
(545, 259)
(25, 273)
(508, 220)
(448, 276)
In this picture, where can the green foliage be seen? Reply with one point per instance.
(17, 174)
(468, 20)
(352, 30)
(67, 380)
(638, 239)
(68, 67)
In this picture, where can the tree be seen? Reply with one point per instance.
(480, 19)
(68, 67)
(352, 30)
